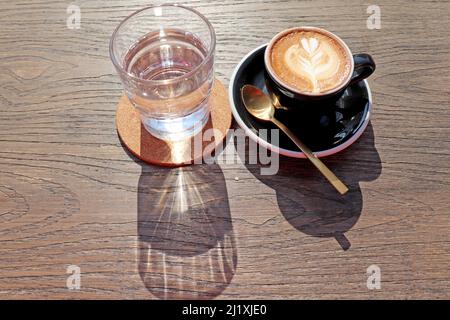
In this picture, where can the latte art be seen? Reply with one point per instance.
(310, 61)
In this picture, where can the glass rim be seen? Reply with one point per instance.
(211, 50)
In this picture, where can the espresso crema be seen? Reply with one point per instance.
(310, 61)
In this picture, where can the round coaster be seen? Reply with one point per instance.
(175, 153)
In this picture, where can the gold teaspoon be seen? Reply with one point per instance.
(260, 106)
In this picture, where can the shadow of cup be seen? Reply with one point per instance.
(187, 246)
(310, 204)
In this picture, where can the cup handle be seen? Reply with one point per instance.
(364, 67)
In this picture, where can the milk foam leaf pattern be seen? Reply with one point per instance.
(312, 62)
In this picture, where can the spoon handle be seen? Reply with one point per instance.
(341, 187)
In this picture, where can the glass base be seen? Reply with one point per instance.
(178, 128)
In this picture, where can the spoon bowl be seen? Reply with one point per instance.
(257, 103)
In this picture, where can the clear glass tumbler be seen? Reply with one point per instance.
(165, 58)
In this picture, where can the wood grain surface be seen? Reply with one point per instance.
(71, 195)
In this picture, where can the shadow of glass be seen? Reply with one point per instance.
(310, 204)
(187, 247)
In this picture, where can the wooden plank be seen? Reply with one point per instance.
(71, 195)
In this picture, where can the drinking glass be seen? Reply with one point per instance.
(164, 56)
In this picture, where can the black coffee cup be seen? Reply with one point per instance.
(362, 66)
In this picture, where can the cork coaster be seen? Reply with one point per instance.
(175, 153)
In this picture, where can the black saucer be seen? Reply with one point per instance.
(350, 115)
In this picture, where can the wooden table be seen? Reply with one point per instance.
(71, 195)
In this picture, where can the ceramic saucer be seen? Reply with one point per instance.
(351, 114)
